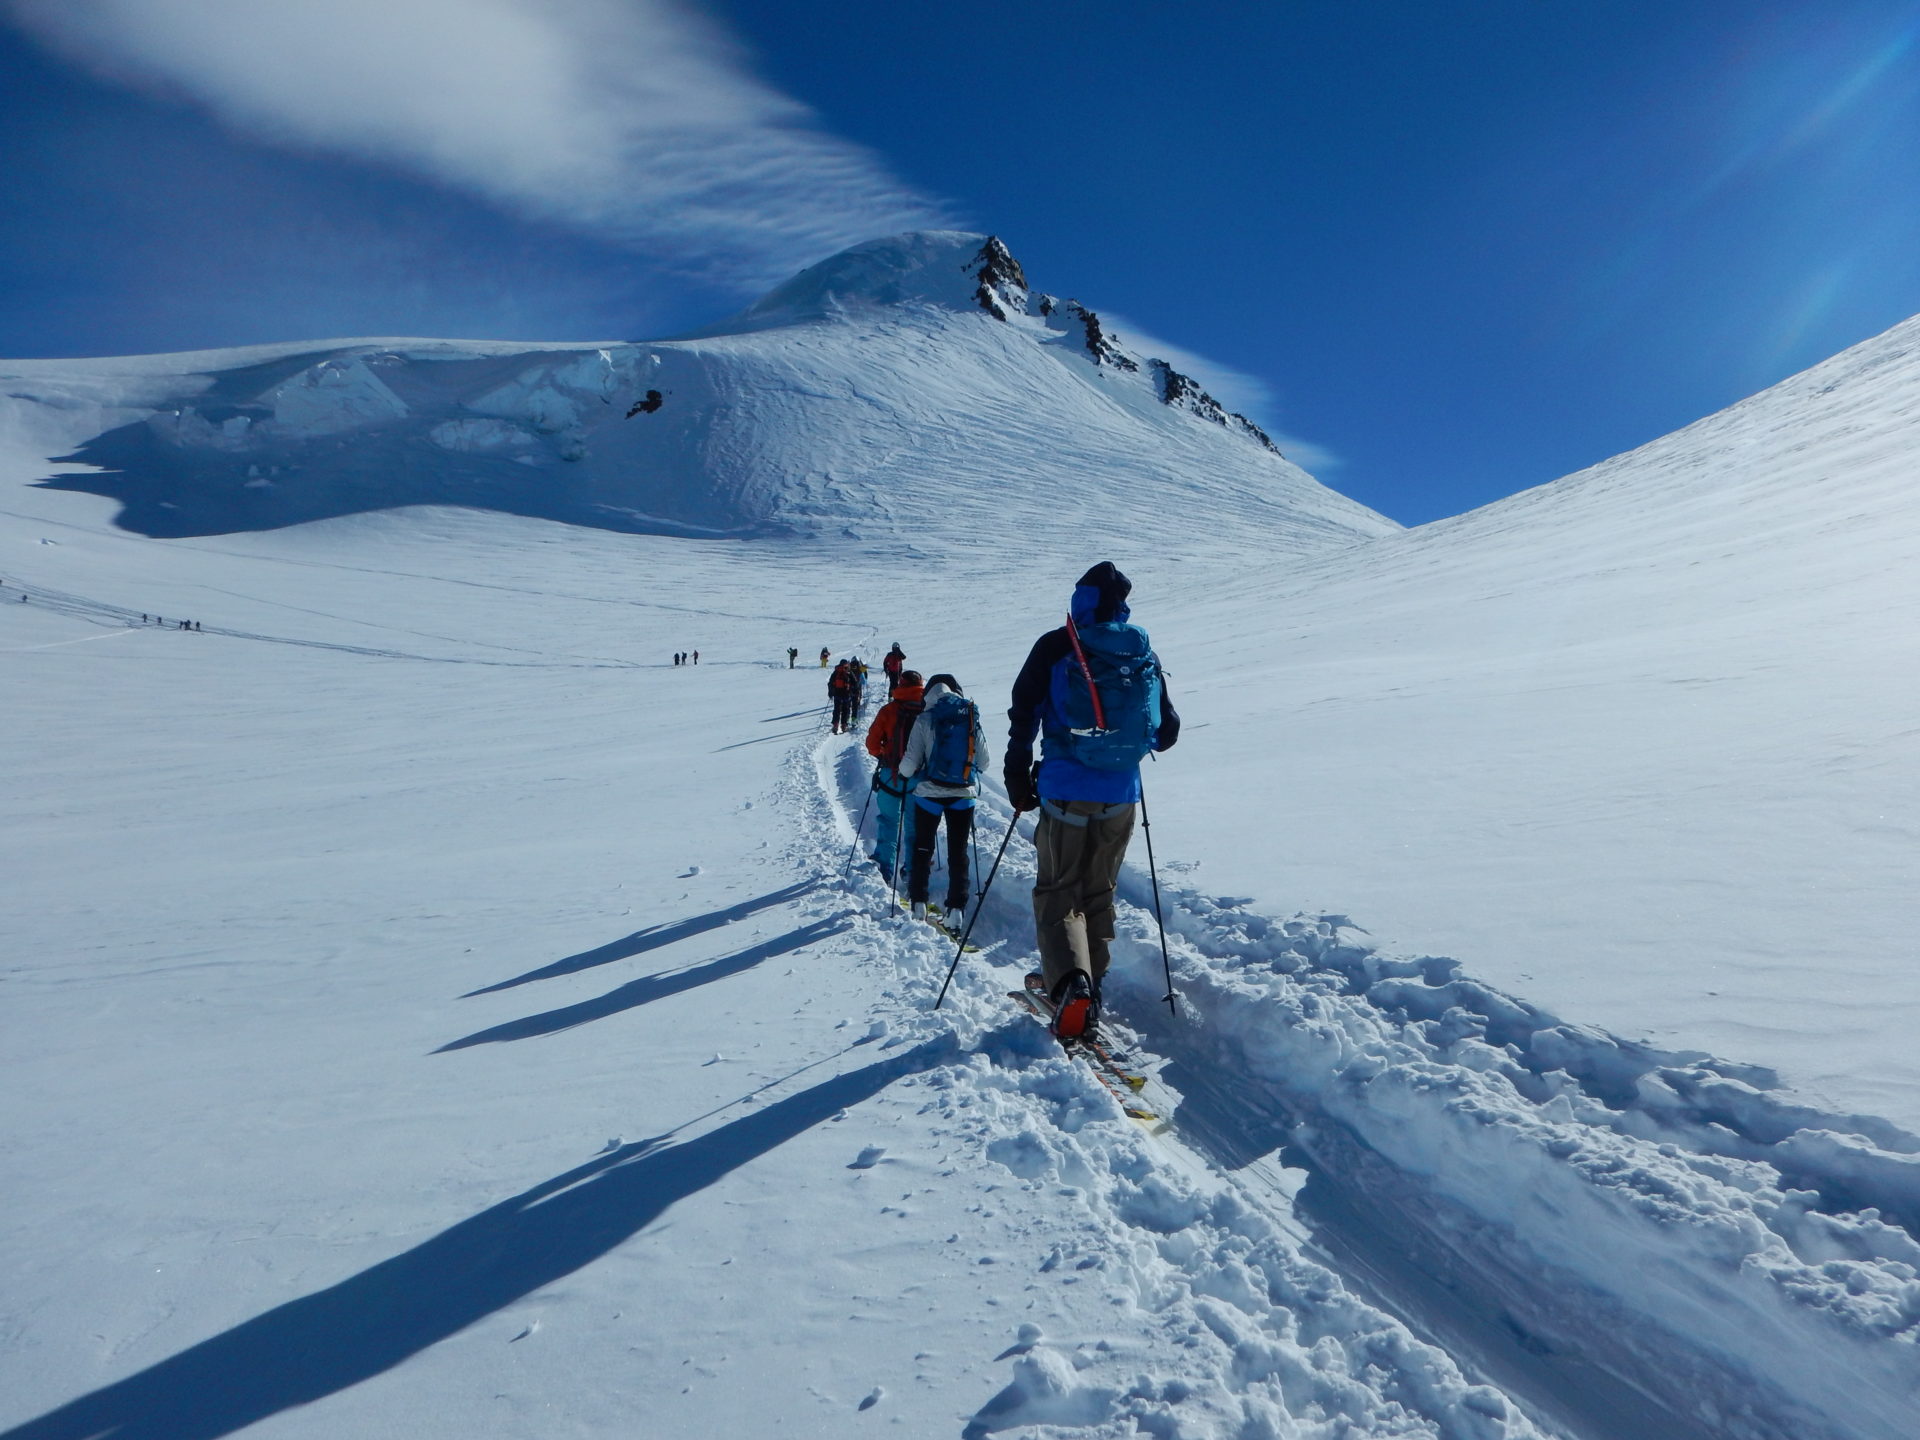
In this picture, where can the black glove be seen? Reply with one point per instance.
(1022, 788)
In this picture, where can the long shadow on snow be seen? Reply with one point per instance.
(649, 988)
(763, 739)
(318, 1345)
(652, 938)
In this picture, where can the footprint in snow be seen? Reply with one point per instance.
(874, 1397)
(868, 1158)
(688, 873)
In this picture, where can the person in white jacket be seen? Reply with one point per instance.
(945, 753)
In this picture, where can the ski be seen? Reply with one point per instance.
(1036, 988)
(1122, 1083)
(947, 930)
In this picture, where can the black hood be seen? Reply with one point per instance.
(1101, 594)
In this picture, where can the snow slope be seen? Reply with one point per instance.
(438, 1014)
(1639, 745)
(430, 1012)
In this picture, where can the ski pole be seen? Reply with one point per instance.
(1154, 875)
(967, 933)
(899, 825)
(847, 869)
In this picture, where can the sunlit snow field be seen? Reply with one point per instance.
(430, 1011)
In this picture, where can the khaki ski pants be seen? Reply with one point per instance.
(1080, 859)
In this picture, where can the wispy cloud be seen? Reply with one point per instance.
(637, 121)
(1249, 395)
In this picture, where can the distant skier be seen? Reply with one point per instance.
(941, 767)
(696, 657)
(894, 663)
(840, 692)
(793, 654)
(825, 655)
(1095, 691)
(887, 743)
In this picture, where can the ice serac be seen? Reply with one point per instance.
(911, 387)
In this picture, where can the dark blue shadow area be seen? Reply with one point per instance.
(216, 461)
(649, 988)
(313, 1347)
(653, 937)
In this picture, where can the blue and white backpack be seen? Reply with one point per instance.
(950, 756)
(1108, 693)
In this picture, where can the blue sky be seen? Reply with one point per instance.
(1452, 249)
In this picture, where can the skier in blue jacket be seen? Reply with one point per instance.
(1094, 692)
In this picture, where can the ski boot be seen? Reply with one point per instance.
(1076, 1008)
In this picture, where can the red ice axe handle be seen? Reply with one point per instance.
(1099, 710)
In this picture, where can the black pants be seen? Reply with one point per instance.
(843, 710)
(959, 818)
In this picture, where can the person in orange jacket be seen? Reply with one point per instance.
(887, 743)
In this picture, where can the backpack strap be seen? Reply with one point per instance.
(1099, 711)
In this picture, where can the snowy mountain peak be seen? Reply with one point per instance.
(963, 271)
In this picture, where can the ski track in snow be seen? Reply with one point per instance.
(1625, 1242)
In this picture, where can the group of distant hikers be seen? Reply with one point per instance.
(1094, 693)
(847, 691)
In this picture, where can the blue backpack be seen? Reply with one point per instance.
(1108, 693)
(950, 758)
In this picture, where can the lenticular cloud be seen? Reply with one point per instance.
(633, 119)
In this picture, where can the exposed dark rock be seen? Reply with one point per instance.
(646, 406)
(1099, 344)
(1254, 432)
(1182, 391)
(1003, 284)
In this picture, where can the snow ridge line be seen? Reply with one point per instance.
(1687, 1098)
(1244, 1333)
(1653, 1238)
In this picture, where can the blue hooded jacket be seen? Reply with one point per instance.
(1100, 596)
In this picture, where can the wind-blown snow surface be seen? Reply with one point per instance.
(429, 1011)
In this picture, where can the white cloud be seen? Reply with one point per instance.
(634, 120)
(1246, 394)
